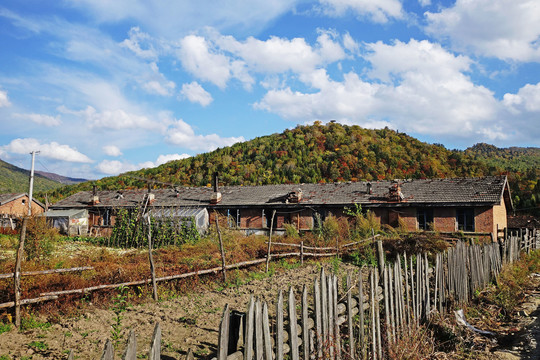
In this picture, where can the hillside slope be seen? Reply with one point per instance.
(317, 153)
(15, 179)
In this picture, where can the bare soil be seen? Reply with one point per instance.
(187, 321)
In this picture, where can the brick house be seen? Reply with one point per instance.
(16, 205)
(464, 204)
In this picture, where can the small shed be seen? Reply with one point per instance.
(69, 222)
(183, 215)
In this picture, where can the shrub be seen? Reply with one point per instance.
(40, 238)
(330, 228)
(290, 231)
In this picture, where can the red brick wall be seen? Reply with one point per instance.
(444, 219)
(483, 219)
(17, 208)
(408, 218)
(251, 218)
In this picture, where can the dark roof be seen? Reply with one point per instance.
(5, 198)
(523, 221)
(426, 192)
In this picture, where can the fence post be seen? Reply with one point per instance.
(108, 351)
(151, 259)
(17, 275)
(270, 240)
(223, 344)
(293, 332)
(279, 327)
(131, 349)
(221, 249)
(155, 345)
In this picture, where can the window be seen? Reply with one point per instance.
(106, 217)
(267, 218)
(465, 219)
(233, 218)
(425, 218)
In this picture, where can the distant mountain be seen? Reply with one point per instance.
(511, 158)
(15, 179)
(59, 178)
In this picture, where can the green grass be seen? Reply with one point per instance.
(5, 328)
(32, 322)
(40, 345)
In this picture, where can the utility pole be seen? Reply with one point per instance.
(33, 153)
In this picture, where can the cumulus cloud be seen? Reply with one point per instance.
(506, 29)
(379, 11)
(207, 64)
(162, 159)
(195, 93)
(40, 119)
(51, 150)
(4, 101)
(111, 150)
(527, 99)
(141, 44)
(417, 85)
(182, 134)
(115, 167)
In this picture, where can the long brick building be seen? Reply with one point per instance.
(462, 204)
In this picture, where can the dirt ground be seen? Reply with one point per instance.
(189, 321)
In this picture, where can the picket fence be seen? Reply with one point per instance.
(355, 319)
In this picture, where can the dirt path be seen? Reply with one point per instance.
(189, 321)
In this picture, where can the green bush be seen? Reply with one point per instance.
(40, 238)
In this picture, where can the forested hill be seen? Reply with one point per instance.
(15, 180)
(523, 167)
(316, 153)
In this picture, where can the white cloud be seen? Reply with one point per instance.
(162, 159)
(182, 134)
(424, 2)
(526, 100)
(52, 150)
(195, 93)
(278, 55)
(198, 58)
(506, 29)
(115, 167)
(141, 44)
(379, 11)
(180, 17)
(420, 88)
(111, 119)
(4, 101)
(111, 150)
(40, 119)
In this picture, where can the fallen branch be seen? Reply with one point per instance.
(45, 272)
(460, 318)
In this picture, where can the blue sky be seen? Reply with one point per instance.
(101, 87)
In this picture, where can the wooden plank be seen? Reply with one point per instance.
(189, 355)
(331, 320)
(305, 324)
(151, 261)
(259, 344)
(372, 292)
(377, 319)
(71, 355)
(250, 329)
(268, 252)
(337, 333)
(380, 253)
(155, 344)
(350, 327)
(266, 333)
(361, 339)
(318, 317)
(386, 305)
(131, 348)
(293, 332)
(324, 306)
(108, 351)
(17, 274)
(279, 327)
(221, 249)
(223, 342)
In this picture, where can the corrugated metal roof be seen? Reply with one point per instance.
(423, 192)
(73, 213)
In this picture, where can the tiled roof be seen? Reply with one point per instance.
(5, 198)
(442, 192)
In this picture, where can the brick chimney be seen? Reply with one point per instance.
(95, 197)
(150, 196)
(369, 191)
(216, 195)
